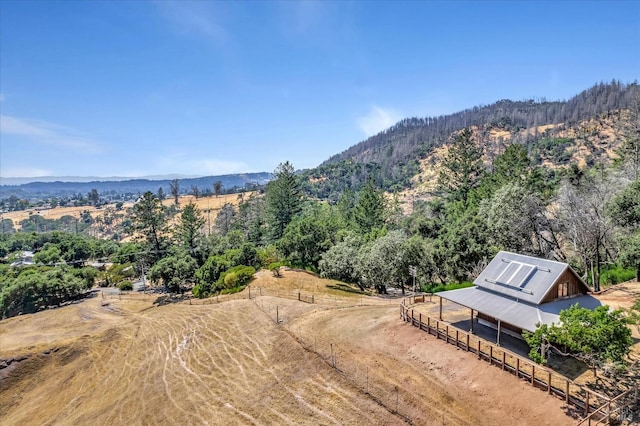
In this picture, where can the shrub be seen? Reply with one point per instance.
(275, 267)
(236, 276)
(199, 291)
(87, 274)
(616, 274)
(125, 286)
(447, 287)
(230, 280)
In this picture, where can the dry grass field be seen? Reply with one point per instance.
(133, 361)
(209, 206)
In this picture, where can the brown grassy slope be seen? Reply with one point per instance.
(210, 206)
(596, 139)
(229, 363)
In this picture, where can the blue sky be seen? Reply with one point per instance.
(135, 88)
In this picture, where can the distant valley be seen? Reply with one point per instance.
(130, 187)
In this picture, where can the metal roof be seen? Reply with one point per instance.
(521, 277)
(515, 311)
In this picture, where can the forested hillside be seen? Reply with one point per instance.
(392, 156)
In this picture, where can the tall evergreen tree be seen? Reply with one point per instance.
(284, 199)
(189, 228)
(369, 212)
(462, 167)
(149, 224)
(513, 165)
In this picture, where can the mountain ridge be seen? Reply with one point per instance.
(547, 129)
(132, 186)
(77, 179)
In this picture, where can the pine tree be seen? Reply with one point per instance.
(149, 223)
(189, 228)
(284, 199)
(462, 167)
(369, 212)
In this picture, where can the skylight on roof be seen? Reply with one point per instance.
(516, 275)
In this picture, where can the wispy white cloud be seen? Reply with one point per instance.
(46, 133)
(378, 119)
(199, 18)
(24, 172)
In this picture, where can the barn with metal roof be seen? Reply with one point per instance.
(515, 292)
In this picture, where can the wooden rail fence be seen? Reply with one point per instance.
(595, 407)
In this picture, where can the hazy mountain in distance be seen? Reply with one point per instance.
(58, 188)
(23, 180)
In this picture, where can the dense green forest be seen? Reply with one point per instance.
(355, 230)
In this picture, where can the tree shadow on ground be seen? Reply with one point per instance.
(168, 299)
(568, 366)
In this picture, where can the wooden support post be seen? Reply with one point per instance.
(277, 315)
(504, 359)
(549, 384)
(499, 330)
(471, 329)
(313, 299)
(491, 354)
(440, 308)
(467, 343)
(586, 405)
(429, 325)
(479, 356)
(457, 339)
(412, 318)
(446, 330)
(298, 296)
(566, 392)
(518, 368)
(420, 318)
(437, 329)
(533, 374)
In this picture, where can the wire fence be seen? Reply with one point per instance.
(251, 292)
(370, 380)
(399, 400)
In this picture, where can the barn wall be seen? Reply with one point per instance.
(574, 287)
